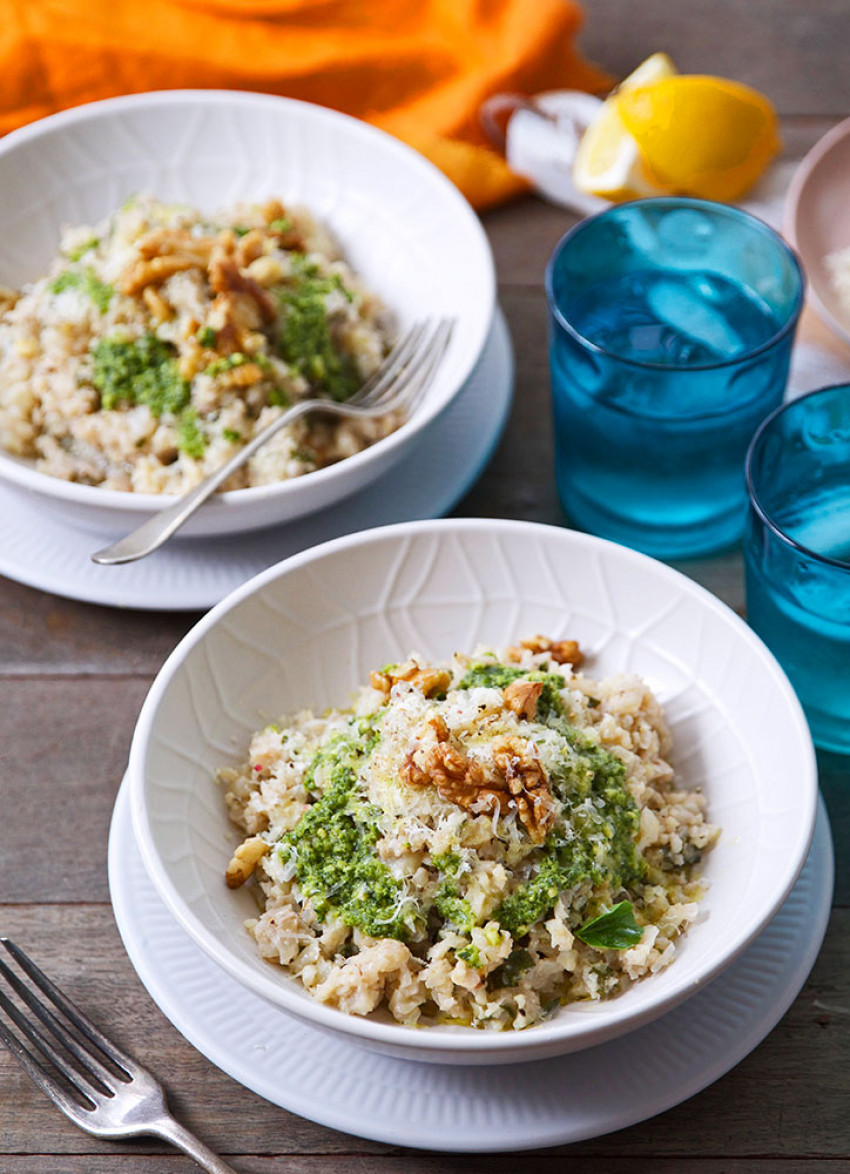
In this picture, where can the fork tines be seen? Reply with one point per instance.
(71, 1060)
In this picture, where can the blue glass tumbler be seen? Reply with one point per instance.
(671, 325)
(797, 553)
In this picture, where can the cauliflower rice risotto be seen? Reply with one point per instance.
(476, 843)
(161, 341)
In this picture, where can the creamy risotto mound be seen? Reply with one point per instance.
(477, 842)
(161, 341)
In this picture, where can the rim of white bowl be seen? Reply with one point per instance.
(21, 472)
(589, 1031)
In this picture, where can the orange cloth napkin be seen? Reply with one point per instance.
(419, 69)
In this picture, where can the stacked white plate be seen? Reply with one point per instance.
(307, 631)
(405, 229)
(442, 1107)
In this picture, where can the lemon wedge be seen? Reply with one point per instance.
(655, 68)
(700, 136)
(664, 133)
(608, 161)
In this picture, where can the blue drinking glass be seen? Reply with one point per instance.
(797, 553)
(671, 324)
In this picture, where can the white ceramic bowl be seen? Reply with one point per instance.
(817, 220)
(308, 631)
(403, 226)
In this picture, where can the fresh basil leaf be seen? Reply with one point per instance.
(614, 930)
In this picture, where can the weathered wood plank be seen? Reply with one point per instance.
(789, 50)
(47, 634)
(63, 751)
(763, 1108)
(411, 1163)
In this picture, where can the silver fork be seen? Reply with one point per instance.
(101, 1088)
(398, 384)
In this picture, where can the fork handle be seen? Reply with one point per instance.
(148, 537)
(171, 1130)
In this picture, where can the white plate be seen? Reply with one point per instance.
(39, 549)
(551, 1102)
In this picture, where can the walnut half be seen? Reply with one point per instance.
(518, 780)
(521, 698)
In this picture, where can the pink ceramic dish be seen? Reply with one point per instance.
(817, 220)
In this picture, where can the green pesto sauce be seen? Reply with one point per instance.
(499, 676)
(88, 282)
(490, 676)
(471, 955)
(590, 782)
(304, 334)
(190, 439)
(605, 818)
(140, 372)
(219, 366)
(333, 845)
(455, 910)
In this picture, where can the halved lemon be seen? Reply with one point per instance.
(700, 136)
(663, 133)
(608, 161)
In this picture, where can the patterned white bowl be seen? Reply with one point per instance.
(403, 226)
(307, 632)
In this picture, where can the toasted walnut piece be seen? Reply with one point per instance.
(273, 210)
(521, 698)
(225, 277)
(429, 682)
(518, 760)
(244, 861)
(8, 298)
(192, 360)
(243, 376)
(168, 241)
(154, 272)
(384, 679)
(561, 651)
(462, 780)
(156, 303)
(249, 248)
(413, 773)
(287, 238)
(432, 681)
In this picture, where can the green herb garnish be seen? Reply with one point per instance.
(511, 970)
(614, 930)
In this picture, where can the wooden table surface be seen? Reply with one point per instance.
(73, 676)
